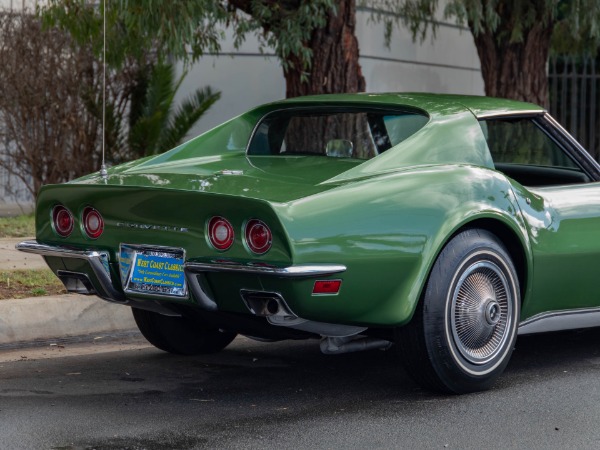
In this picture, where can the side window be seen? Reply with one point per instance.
(523, 151)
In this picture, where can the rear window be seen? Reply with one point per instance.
(340, 134)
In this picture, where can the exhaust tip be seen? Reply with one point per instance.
(75, 282)
(266, 304)
(272, 307)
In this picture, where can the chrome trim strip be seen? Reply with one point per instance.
(299, 271)
(48, 250)
(93, 257)
(516, 114)
(583, 153)
(561, 320)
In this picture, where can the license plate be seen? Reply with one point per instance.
(154, 271)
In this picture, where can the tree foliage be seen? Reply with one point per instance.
(185, 30)
(286, 26)
(155, 124)
(49, 103)
(300, 32)
(576, 24)
(513, 37)
(168, 28)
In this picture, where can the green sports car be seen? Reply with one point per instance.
(445, 225)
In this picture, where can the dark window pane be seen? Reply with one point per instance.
(523, 151)
(341, 134)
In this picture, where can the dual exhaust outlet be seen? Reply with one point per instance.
(267, 304)
(335, 339)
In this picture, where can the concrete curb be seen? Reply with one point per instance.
(38, 318)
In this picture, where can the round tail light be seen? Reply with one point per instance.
(258, 236)
(220, 233)
(62, 220)
(93, 223)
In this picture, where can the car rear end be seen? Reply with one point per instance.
(120, 222)
(220, 234)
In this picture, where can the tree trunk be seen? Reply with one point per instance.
(515, 70)
(335, 66)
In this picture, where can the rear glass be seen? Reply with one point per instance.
(341, 134)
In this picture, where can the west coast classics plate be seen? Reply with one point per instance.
(153, 270)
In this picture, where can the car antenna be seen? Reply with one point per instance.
(103, 172)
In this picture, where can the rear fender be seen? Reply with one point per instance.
(388, 232)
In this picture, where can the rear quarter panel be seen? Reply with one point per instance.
(388, 231)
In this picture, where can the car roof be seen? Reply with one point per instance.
(433, 104)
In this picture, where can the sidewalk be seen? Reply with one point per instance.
(15, 209)
(11, 258)
(42, 318)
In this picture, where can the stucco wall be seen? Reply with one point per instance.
(447, 63)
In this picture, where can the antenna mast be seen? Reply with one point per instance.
(103, 172)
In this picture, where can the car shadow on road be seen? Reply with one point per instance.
(550, 351)
(254, 387)
(255, 370)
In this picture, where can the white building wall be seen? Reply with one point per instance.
(246, 78)
(447, 63)
(20, 5)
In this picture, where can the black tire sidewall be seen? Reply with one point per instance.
(465, 249)
(180, 335)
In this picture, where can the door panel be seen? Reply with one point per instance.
(564, 227)
(557, 188)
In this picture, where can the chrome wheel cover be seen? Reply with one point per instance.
(482, 312)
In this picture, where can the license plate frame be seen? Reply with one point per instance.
(153, 271)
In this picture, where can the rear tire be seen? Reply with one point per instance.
(180, 335)
(465, 326)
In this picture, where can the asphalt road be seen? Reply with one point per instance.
(124, 394)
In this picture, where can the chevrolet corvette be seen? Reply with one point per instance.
(441, 225)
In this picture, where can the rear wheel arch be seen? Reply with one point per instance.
(510, 239)
(515, 243)
(464, 327)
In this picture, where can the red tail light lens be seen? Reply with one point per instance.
(220, 233)
(62, 220)
(258, 236)
(93, 223)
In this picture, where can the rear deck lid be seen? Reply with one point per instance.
(289, 154)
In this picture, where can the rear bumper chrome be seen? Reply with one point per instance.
(99, 274)
(98, 263)
(299, 271)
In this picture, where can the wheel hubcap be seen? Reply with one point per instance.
(492, 312)
(481, 312)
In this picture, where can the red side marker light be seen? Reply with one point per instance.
(330, 287)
